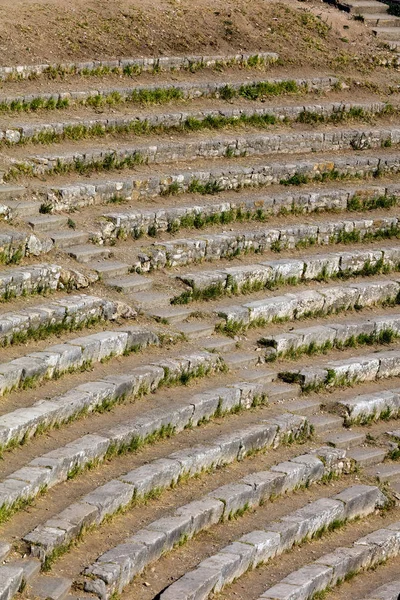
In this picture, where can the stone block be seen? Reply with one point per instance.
(175, 529)
(110, 497)
(314, 467)
(382, 544)
(344, 561)
(360, 500)
(158, 474)
(153, 540)
(235, 497)
(366, 406)
(309, 579)
(204, 513)
(73, 455)
(196, 459)
(195, 585)
(10, 581)
(266, 545)
(315, 516)
(246, 553)
(43, 540)
(266, 484)
(226, 564)
(205, 405)
(118, 566)
(389, 364)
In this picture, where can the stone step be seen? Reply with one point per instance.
(323, 424)
(368, 456)
(171, 315)
(146, 301)
(364, 408)
(59, 359)
(30, 567)
(196, 329)
(380, 20)
(10, 193)
(47, 222)
(349, 371)
(386, 472)
(346, 440)
(88, 252)
(109, 268)
(68, 237)
(219, 344)
(359, 7)
(238, 360)
(195, 89)
(388, 33)
(308, 408)
(279, 392)
(19, 209)
(263, 274)
(130, 283)
(50, 588)
(297, 304)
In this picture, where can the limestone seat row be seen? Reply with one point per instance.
(331, 569)
(15, 245)
(364, 408)
(70, 312)
(18, 426)
(356, 369)
(325, 301)
(162, 473)
(40, 279)
(274, 539)
(59, 465)
(249, 144)
(186, 90)
(245, 278)
(213, 246)
(93, 127)
(136, 65)
(117, 567)
(74, 354)
(119, 224)
(309, 340)
(214, 179)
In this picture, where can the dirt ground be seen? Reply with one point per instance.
(54, 30)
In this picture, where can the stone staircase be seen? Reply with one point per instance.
(199, 335)
(375, 15)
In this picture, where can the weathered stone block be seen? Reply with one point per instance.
(158, 474)
(204, 513)
(266, 545)
(344, 561)
(360, 500)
